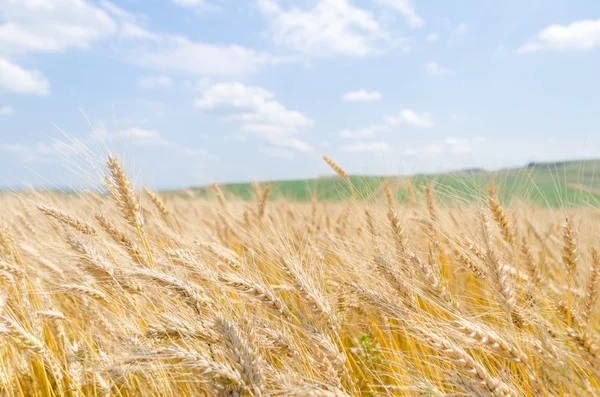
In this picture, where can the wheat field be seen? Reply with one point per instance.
(128, 294)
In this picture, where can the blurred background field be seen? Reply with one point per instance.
(554, 185)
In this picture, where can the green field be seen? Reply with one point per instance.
(570, 183)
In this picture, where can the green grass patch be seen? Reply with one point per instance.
(562, 184)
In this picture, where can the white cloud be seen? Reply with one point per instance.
(52, 26)
(233, 95)
(154, 81)
(331, 27)
(134, 135)
(117, 11)
(132, 30)
(437, 70)
(130, 23)
(410, 117)
(144, 137)
(367, 147)
(407, 9)
(294, 143)
(578, 35)
(432, 37)
(257, 112)
(178, 53)
(6, 110)
(14, 78)
(460, 29)
(59, 25)
(362, 96)
(404, 117)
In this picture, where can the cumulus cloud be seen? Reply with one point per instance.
(406, 9)
(362, 96)
(135, 135)
(233, 95)
(257, 112)
(131, 30)
(131, 25)
(144, 137)
(60, 25)
(410, 117)
(180, 54)
(6, 110)
(14, 78)
(578, 35)
(404, 117)
(331, 27)
(437, 70)
(367, 147)
(52, 26)
(154, 81)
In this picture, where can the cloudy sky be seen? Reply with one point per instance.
(195, 91)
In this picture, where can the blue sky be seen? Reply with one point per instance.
(196, 91)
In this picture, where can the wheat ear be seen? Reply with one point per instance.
(258, 292)
(158, 203)
(340, 171)
(592, 291)
(120, 238)
(500, 216)
(63, 217)
(243, 354)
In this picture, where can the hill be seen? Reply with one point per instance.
(556, 184)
